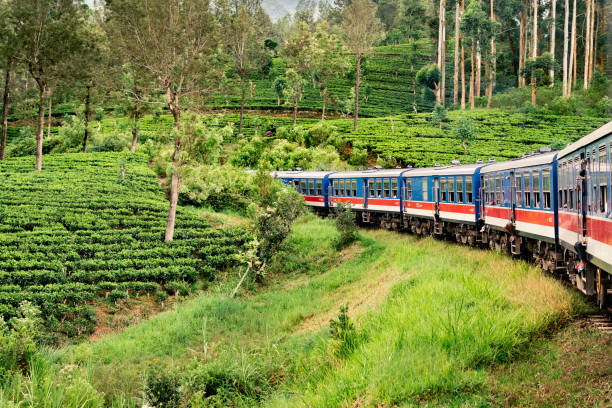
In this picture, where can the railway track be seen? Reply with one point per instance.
(602, 322)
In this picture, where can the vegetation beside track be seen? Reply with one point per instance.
(433, 324)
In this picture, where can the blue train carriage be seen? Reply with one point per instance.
(519, 208)
(313, 186)
(585, 210)
(374, 194)
(443, 201)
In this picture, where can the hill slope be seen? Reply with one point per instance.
(76, 233)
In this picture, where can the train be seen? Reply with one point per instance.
(552, 207)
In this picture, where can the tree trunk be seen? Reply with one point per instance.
(323, 110)
(472, 62)
(587, 44)
(464, 145)
(462, 62)
(87, 109)
(356, 113)
(5, 96)
(456, 57)
(135, 129)
(592, 48)
(493, 68)
(49, 115)
(571, 70)
(478, 68)
(603, 34)
(174, 182)
(295, 106)
(551, 73)
(565, 48)
(522, 43)
(242, 103)
(41, 118)
(277, 100)
(513, 51)
(534, 49)
(442, 48)
(595, 34)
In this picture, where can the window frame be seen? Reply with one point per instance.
(469, 192)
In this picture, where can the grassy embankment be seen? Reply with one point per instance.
(433, 323)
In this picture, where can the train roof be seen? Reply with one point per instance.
(370, 173)
(592, 137)
(300, 174)
(537, 159)
(459, 169)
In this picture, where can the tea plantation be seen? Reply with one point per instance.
(78, 232)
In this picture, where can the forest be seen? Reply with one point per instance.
(148, 259)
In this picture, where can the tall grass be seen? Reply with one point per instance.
(458, 312)
(429, 318)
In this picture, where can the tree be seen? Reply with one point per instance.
(538, 69)
(439, 114)
(293, 91)
(565, 48)
(175, 41)
(456, 55)
(361, 30)
(442, 50)
(465, 131)
(478, 28)
(328, 61)
(246, 49)
(410, 19)
(429, 78)
(47, 37)
(7, 59)
(279, 85)
(572, 60)
(297, 51)
(553, 31)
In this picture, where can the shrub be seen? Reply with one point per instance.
(161, 386)
(18, 340)
(345, 223)
(344, 333)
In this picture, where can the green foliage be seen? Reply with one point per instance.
(539, 68)
(162, 386)
(439, 114)
(429, 77)
(465, 131)
(343, 333)
(346, 224)
(18, 340)
(73, 234)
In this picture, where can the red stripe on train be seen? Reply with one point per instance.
(544, 218)
(600, 230)
(419, 205)
(381, 201)
(458, 208)
(497, 212)
(347, 200)
(314, 199)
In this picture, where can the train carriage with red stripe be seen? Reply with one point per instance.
(443, 200)
(519, 206)
(312, 185)
(585, 210)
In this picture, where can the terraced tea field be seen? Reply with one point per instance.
(78, 232)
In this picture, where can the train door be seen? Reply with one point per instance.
(436, 198)
(511, 195)
(581, 195)
(366, 193)
(404, 196)
(482, 197)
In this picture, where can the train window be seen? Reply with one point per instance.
(518, 189)
(546, 188)
(536, 189)
(468, 190)
(459, 189)
(451, 189)
(371, 188)
(561, 183)
(354, 187)
(488, 187)
(498, 190)
(296, 185)
(341, 188)
(379, 188)
(385, 188)
(443, 189)
(319, 187)
(408, 189)
(603, 179)
(394, 188)
(311, 187)
(527, 187)
(304, 187)
(424, 186)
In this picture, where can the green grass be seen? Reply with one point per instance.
(432, 320)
